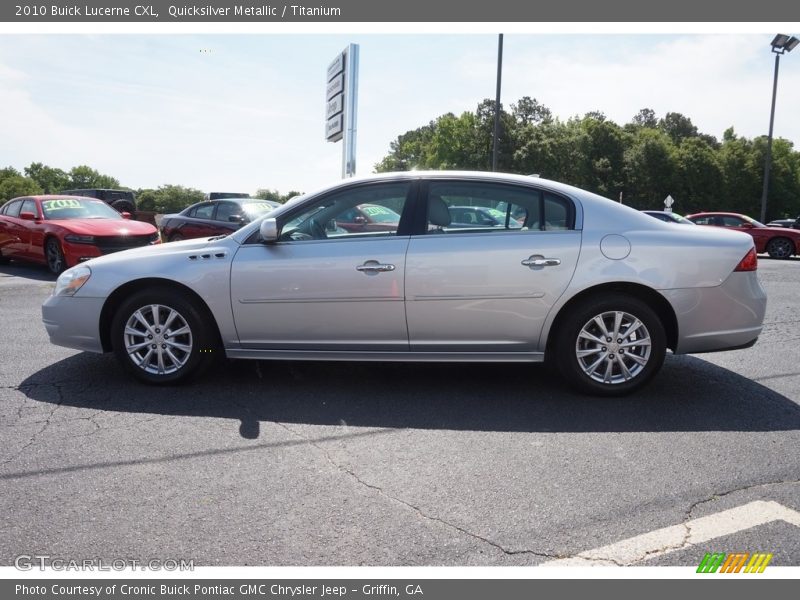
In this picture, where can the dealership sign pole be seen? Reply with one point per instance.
(341, 96)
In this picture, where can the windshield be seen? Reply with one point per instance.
(753, 222)
(77, 208)
(380, 214)
(256, 209)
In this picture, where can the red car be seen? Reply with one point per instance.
(62, 231)
(778, 242)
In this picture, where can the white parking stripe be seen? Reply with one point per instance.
(679, 537)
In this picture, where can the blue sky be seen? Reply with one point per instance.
(248, 111)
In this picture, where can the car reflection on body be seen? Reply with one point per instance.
(600, 289)
(214, 217)
(61, 231)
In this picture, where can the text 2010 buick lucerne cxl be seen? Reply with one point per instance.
(598, 288)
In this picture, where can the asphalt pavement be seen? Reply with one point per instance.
(261, 463)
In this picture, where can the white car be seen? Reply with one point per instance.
(600, 289)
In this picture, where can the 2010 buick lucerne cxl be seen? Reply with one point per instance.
(600, 289)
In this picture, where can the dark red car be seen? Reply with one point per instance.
(62, 231)
(214, 217)
(778, 242)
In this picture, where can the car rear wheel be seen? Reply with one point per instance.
(610, 346)
(54, 255)
(780, 247)
(162, 337)
(175, 237)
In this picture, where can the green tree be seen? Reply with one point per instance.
(168, 198)
(83, 177)
(275, 195)
(649, 168)
(50, 179)
(14, 186)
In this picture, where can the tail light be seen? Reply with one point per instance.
(749, 262)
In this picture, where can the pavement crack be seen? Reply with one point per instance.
(419, 511)
(45, 424)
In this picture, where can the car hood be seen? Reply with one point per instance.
(104, 226)
(156, 252)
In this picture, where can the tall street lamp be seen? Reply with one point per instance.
(781, 44)
(496, 134)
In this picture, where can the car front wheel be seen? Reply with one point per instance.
(55, 256)
(610, 346)
(161, 337)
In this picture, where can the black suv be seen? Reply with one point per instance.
(121, 200)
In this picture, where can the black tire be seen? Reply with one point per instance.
(54, 256)
(3, 259)
(167, 355)
(577, 354)
(780, 247)
(176, 237)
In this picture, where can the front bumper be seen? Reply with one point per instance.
(73, 322)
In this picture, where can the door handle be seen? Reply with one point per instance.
(537, 260)
(373, 266)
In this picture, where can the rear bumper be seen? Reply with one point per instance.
(73, 322)
(725, 317)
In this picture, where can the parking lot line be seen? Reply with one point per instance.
(687, 534)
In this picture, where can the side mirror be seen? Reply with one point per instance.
(269, 231)
(27, 216)
(236, 218)
(359, 220)
(747, 225)
(126, 215)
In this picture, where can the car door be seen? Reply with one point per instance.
(18, 230)
(223, 225)
(488, 288)
(9, 235)
(27, 228)
(200, 221)
(322, 287)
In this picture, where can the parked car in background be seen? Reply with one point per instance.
(63, 231)
(477, 217)
(789, 223)
(778, 242)
(602, 291)
(215, 217)
(368, 217)
(121, 200)
(668, 217)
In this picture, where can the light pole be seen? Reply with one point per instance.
(781, 44)
(496, 134)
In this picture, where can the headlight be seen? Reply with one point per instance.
(71, 280)
(74, 238)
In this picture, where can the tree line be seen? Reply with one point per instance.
(642, 161)
(42, 179)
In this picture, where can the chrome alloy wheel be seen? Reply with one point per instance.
(613, 347)
(158, 339)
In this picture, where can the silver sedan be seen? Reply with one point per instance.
(597, 288)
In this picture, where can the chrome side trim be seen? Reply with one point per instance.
(534, 357)
(317, 300)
